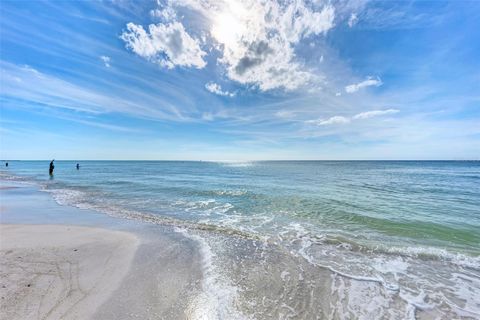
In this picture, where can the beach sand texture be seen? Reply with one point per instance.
(67, 272)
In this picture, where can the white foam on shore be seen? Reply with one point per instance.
(69, 197)
(402, 276)
(458, 259)
(395, 267)
(362, 300)
(467, 289)
(218, 297)
(352, 289)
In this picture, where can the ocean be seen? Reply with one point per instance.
(301, 239)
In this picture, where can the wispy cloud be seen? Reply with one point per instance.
(217, 89)
(166, 14)
(30, 86)
(403, 15)
(105, 126)
(375, 113)
(345, 120)
(285, 114)
(366, 83)
(352, 20)
(106, 61)
(329, 121)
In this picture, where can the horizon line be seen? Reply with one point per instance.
(246, 160)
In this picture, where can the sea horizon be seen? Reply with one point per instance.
(246, 160)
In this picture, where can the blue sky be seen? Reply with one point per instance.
(237, 80)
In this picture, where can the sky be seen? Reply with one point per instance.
(240, 80)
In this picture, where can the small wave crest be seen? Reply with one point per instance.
(403, 271)
(218, 296)
(69, 197)
(298, 232)
(204, 207)
(7, 176)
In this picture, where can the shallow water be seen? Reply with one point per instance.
(380, 239)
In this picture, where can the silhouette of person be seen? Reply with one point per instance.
(50, 170)
(78, 166)
(6, 164)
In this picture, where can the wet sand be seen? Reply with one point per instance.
(60, 262)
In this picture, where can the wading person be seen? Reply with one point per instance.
(50, 170)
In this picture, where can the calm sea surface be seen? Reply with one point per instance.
(392, 222)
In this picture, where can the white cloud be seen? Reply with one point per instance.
(106, 61)
(338, 94)
(168, 44)
(366, 83)
(375, 113)
(167, 14)
(256, 39)
(352, 20)
(217, 89)
(285, 114)
(208, 116)
(345, 120)
(32, 70)
(329, 121)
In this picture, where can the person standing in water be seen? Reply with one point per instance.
(50, 170)
(78, 166)
(6, 164)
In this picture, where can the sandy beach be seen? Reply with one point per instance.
(60, 262)
(60, 272)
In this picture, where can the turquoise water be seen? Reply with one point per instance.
(340, 214)
(432, 203)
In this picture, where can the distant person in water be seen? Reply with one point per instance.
(6, 164)
(50, 170)
(78, 166)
